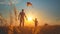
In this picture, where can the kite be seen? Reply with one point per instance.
(29, 4)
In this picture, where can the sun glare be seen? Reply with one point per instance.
(29, 18)
(29, 21)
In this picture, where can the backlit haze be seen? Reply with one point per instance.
(46, 11)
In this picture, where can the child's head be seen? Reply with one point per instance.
(35, 18)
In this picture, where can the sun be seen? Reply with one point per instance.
(29, 21)
(29, 18)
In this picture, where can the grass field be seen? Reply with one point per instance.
(49, 29)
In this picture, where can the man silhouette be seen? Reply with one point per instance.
(22, 17)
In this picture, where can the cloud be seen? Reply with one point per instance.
(9, 2)
(2, 0)
(14, 1)
(5, 3)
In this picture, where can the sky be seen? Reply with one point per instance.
(46, 11)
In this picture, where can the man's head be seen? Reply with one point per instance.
(22, 10)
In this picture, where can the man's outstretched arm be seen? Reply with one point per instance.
(25, 16)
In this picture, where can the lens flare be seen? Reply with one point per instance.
(29, 18)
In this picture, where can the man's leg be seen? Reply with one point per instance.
(23, 22)
(35, 24)
(20, 22)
